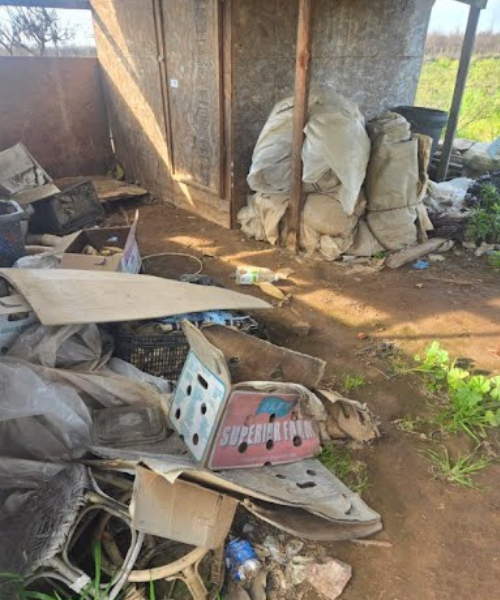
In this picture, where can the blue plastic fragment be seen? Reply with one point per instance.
(420, 265)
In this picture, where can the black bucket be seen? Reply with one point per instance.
(428, 121)
(11, 236)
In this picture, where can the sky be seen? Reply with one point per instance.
(449, 16)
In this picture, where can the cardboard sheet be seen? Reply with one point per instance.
(305, 485)
(253, 359)
(22, 178)
(180, 511)
(65, 297)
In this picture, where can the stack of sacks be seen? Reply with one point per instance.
(335, 155)
(396, 182)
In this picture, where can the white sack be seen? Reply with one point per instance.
(335, 152)
(262, 216)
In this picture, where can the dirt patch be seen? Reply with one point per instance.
(444, 539)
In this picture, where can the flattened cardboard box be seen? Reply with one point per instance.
(127, 261)
(180, 511)
(226, 426)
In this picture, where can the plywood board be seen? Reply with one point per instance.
(193, 66)
(63, 297)
(55, 106)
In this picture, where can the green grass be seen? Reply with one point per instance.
(480, 113)
(458, 472)
(352, 382)
(338, 459)
(18, 587)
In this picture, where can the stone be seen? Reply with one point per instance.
(330, 578)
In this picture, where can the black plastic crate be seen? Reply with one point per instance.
(76, 207)
(162, 354)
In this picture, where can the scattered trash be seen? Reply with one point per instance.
(296, 569)
(241, 560)
(330, 578)
(420, 265)
(273, 291)
(260, 275)
(485, 248)
(436, 258)
(419, 285)
(11, 238)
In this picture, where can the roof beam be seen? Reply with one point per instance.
(460, 83)
(80, 4)
(476, 3)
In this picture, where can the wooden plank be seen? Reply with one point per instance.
(228, 124)
(65, 296)
(477, 3)
(78, 4)
(108, 189)
(302, 78)
(463, 70)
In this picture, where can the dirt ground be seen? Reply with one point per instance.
(444, 538)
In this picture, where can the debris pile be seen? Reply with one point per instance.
(145, 425)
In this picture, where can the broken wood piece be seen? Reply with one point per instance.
(66, 296)
(252, 359)
(375, 543)
(108, 189)
(398, 259)
(271, 290)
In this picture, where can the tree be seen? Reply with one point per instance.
(32, 30)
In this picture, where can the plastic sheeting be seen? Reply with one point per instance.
(45, 412)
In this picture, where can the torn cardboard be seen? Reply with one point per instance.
(227, 426)
(22, 178)
(306, 486)
(128, 260)
(180, 511)
(250, 358)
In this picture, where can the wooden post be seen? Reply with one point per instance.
(301, 101)
(463, 70)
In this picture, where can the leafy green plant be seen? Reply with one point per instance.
(484, 223)
(338, 459)
(472, 401)
(352, 382)
(457, 472)
(494, 260)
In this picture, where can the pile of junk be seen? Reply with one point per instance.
(366, 185)
(154, 445)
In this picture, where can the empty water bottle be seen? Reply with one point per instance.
(241, 560)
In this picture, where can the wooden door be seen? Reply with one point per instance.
(193, 41)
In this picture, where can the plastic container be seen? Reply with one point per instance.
(428, 121)
(256, 275)
(241, 560)
(128, 426)
(11, 237)
(163, 354)
(76, 207)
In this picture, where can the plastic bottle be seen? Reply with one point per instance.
(241, 560)
(255, 275)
